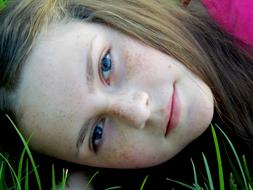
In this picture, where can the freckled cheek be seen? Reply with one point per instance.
(139, 66)
(134, 61)
(124, 147)
(141, 158)
(137, 71)
(132, 156)
(136, 159)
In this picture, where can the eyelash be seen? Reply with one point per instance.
(106, 79)
(97, 132)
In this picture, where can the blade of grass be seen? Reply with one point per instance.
(144, 182)
(3, 183)
(2, 176)
(116, 187)
(27, 173)
(14, 183)
(236, 156)
(197, 187)
(232, 184)
(53, 178)
(181, 183)
(92, 177)
(206, 186)
(204, 177)
(217, 149)
(28, 152)
(64, 178)
(15, 180)
(235, 172)
(194, 173)
(209, 176)
(26, 176)
(1, 170)
(246, 169)
(20, 164)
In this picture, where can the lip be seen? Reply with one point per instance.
(174, 111)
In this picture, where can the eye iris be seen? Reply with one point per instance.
(106, 63)
(98, 133)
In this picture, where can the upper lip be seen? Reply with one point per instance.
(170, 111)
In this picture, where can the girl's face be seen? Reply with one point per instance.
(91, 95)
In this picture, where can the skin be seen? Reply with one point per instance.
(56, 98)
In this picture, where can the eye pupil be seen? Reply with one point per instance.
(98, 133)
(105, 69)
(106, 63)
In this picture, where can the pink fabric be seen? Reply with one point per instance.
(235, 16)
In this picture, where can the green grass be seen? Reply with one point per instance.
(20, 182)
(237, 180)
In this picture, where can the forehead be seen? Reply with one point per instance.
(56, 54)
(60, 38)
(55, 69)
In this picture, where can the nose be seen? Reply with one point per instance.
(133, 108)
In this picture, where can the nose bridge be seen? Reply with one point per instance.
(133, 108)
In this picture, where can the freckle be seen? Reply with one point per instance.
(126, 55)
(130, 61)
(169, 66)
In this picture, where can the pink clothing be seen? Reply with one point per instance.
(235, 16)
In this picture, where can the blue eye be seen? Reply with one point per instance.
(106, 67)
(97, 135)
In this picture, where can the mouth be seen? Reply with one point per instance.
(174, 111)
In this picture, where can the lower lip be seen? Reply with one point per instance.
(175, 112)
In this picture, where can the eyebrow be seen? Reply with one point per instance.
(82, 133)
(89, 67)
(90, 83)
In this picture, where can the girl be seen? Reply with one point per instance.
(100, 83)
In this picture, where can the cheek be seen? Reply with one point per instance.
(148, 63)
(201, 111)
(134, 152)
(130, 158)
(53, 131)
(134, 63)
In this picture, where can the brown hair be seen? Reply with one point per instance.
(189, 36)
